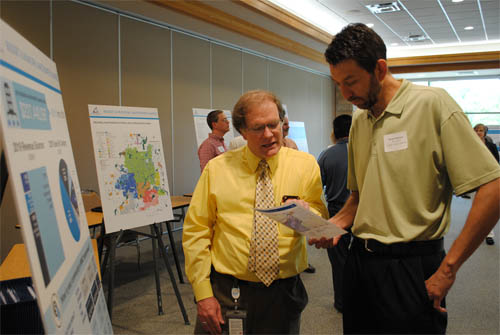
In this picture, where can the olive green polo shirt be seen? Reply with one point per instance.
(406, 163)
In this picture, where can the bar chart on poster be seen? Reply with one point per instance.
(46, 190)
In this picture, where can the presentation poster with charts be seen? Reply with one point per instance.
(46, 191)
(131, 166)
(202, 129)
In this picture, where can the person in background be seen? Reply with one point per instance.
(288, 142)
(333, 166)
(481, 131)
(404, 164)
(224, 245)
(214, 145)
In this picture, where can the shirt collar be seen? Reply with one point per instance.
(342, 140)
(212, 135)
(397, 102)
(253, 161)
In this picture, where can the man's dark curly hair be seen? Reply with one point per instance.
(359, 43)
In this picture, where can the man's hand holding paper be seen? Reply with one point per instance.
(294, 215)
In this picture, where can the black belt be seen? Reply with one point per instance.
(216, 275)
(414, 248)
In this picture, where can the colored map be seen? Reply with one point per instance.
(136, 183)
(131, 168)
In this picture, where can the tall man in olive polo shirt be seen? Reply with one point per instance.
(221, 236)
(409, 148)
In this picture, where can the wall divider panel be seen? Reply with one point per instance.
(86, 54)
(226, 76)
(255, 74)
(145, 75)
(191, 89)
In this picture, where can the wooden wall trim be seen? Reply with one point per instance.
(215, 16)
(282, 16)
(449, 62)
(446, 59)
(446, 67)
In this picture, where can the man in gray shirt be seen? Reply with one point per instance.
(333, 165)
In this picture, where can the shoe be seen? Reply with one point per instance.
(310, 269)
(489, 241)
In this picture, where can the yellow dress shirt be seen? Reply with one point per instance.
(218, 224)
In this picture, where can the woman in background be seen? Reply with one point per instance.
(481, 131)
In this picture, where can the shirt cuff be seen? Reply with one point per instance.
(203, 290)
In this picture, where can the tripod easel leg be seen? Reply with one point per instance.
(157, 275)
(174, 251)
(115, 238)
(171, 274)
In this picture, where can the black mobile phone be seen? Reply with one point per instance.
(286, 197)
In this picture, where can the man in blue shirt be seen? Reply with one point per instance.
(333, 165)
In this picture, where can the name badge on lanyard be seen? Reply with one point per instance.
(236, 318)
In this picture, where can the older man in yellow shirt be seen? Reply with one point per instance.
(220, 236)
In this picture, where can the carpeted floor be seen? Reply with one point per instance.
(473, 302)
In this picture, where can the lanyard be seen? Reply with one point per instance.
(235, 293)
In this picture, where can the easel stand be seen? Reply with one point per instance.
(174, 249)
(156, 237)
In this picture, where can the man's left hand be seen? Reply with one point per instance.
(438, 286)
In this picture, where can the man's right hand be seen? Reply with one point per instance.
(210, 315)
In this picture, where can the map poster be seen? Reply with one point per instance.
(47, 196)
(131, 166)
(202, 129)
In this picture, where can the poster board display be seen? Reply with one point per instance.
(131, 168)
(47, 196)
(297, 133)
(202, 129)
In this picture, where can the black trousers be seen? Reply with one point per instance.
(270, 310)
(337, 256)
(386, 294)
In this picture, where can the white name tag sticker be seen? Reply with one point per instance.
(395, 142)
(221, 148)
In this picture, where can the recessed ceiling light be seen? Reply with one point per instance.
(415, 38)
(457, 0)
(394, 44)
(370, 25)
(469, 28)
(383, 7)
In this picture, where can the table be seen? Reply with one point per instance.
(16, 263)
(94, 219)
(188, 194)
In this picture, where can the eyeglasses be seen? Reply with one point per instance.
(260, 129)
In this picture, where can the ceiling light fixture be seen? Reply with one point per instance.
(415, 38)
(394, 44)
(469, 28)
(386, 7)
(457, 0)
(370, 25)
